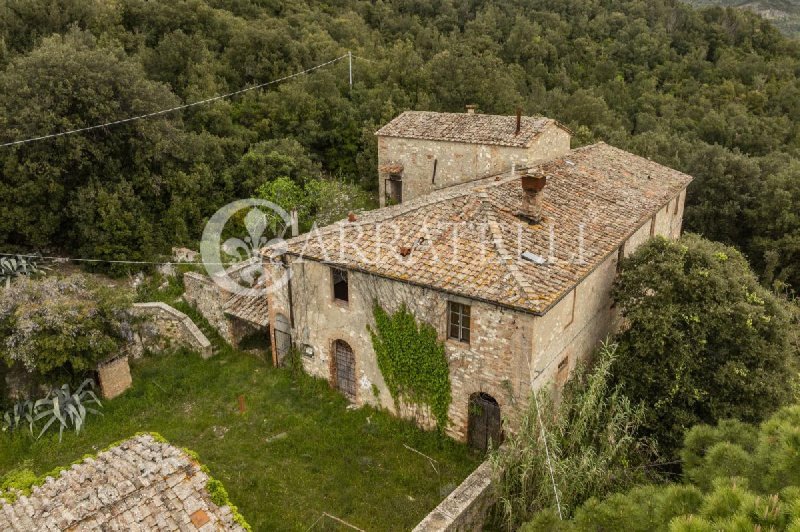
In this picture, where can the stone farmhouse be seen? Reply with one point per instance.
(419, 151)
(502, 238)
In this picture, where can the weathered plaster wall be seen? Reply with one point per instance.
(574, 327)
(458, 162)
(492, 362)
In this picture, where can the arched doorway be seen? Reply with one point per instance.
(484, 422)
(344, 369)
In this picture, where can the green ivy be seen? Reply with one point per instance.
(412, 360)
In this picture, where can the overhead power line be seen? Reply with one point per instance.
(173, 109)
(112, 261)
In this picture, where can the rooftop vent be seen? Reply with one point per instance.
(534, 258)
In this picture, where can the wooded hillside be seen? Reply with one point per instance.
(714, 93)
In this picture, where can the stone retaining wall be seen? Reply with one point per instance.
(166, 327)
(204, 295)
(466, 507)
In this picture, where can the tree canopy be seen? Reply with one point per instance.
(714, 93)
(703, 341)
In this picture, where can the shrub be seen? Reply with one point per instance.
(61, 326)
(704, 340)
(19, 265)
(20, 414)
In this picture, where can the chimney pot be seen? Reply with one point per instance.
(532, 182)
(471, 109)
(351, 217)
(519, 121)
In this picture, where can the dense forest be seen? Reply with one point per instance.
(785, 14)
(714, 93)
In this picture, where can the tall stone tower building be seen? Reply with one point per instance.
(420, 151)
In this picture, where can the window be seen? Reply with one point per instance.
(341, 291)
(459, 321)
(677, 203)
(620, 256)
(395, 191)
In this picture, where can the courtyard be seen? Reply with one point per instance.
(285, 445)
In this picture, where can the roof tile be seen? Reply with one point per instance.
(468, 240)
(466, 127)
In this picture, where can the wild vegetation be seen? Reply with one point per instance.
(704, 341)
(295, 452)
(580, 445)
(69, 408)
(412, 360)
(714, 93)
(738, 477)
(61, 327)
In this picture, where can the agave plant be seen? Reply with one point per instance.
(11, 267)
(19, 414)
(69, 409)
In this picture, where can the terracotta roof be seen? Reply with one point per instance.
(141, 484)
(466, 127)
(250, 308)
(468, 239)
(394, 168)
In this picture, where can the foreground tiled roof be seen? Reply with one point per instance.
(140, 484)
(465, 127)
(468, 239)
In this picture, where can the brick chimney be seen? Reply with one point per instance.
(471, 109)
(533, 182)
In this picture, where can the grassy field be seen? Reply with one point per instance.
(295, 453)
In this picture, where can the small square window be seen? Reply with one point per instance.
(459, 321)
(341, 290)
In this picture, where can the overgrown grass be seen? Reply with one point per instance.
(295, 453)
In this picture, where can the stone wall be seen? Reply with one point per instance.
(205, 296)
(459, 162)
(510, 353)
(495, 361)
(114, 377)
(465, 508)
(584, 317)
(165, 327)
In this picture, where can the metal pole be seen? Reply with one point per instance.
(350, 62)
